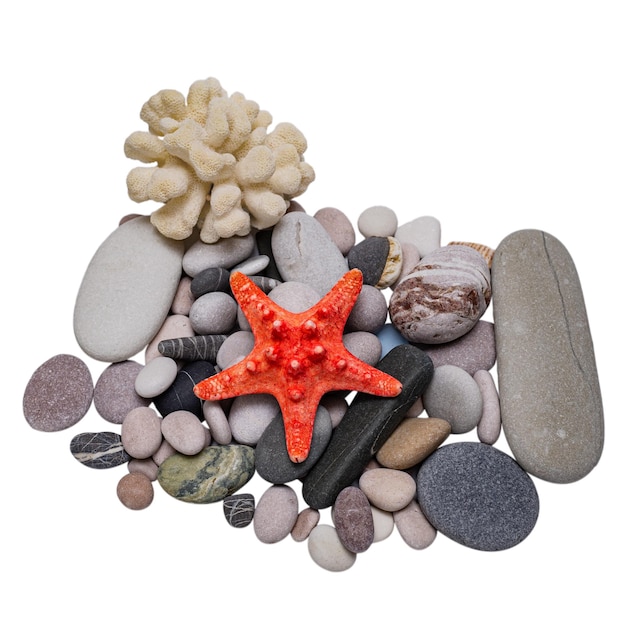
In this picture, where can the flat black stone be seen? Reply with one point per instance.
(272, 459)
(180, 396)
(367, 424)
(370, 256)
(477, 496)
(99, 450)
(209, 280)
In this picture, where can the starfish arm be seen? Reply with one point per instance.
(299, 420)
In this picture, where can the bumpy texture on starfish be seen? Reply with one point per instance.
(297, 358)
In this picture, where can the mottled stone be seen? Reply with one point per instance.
(367, 424)
(272, 459)
(327, 551)
(239, 509)
(443, 298)
(453, 395)
(413, 440)
(478, 496)
(114, 394)
(353, 520)
(180, 396)
(99, 450)
(58, 394)
(304, 252)
(550, 399)
(276, 513)
(197, 348)
(127, 291)
(135, 491)
(210, 476)
(476, 350)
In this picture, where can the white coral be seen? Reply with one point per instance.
(217, 166)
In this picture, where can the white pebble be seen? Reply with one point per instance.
(490, 423)
(326, 549)
(213, 313)
(383, 523)
(423, 232)
(156, 376)
(377, 221)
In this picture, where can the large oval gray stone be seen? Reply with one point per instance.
(550, 399)
(127, 291)
(304, 252)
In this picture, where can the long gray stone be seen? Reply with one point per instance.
(367, 424)
(550, 399)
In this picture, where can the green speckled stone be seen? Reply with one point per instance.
(209, 476)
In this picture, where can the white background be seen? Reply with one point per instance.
(491, 116)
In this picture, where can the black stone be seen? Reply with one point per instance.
(209, 280)
(197, 348)
(370, 256)
(264, 246)
(477, 495)
(180, 396)
(367, 424)
(272, 459)
(239, 509)
(99, 450)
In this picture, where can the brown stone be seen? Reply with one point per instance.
(413, 440)
(135, 491)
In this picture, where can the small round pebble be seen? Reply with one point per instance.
(369, 312)
(388, 489)
(184, 432)
(338, 226)
(307, 520)
(235, 347)
(453, 395)
(414, 527)
(114, 395)
(250, 415)
(135, 491)
(327, 551)
(364, 346)
(141, 432)
(156, 376)
(58, 394)
(276, 513)
(213, 313)
(377, 221)
(144, 466)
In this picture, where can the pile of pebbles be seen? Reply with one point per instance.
(375, 463)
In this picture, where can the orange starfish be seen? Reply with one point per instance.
(297, 358)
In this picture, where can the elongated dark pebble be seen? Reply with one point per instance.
(367, 424)
(99, 450)
(239, 509)
(210, 279)
(196, 348)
